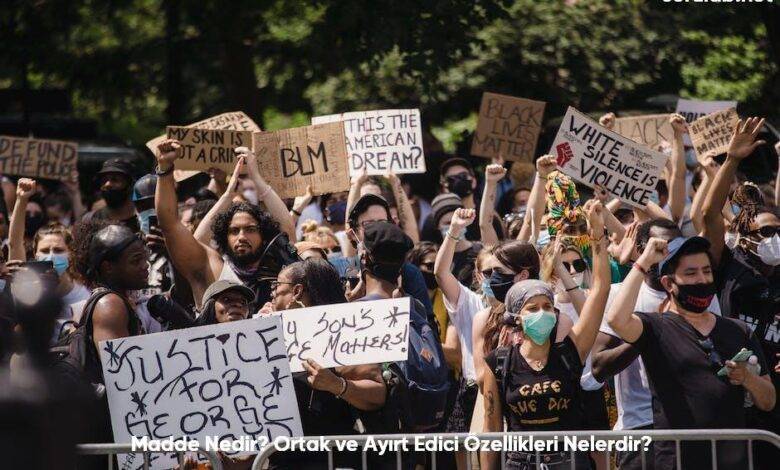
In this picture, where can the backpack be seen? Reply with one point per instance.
(418, 388)
(75, 354)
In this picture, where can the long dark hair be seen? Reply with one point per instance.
(269, 228)
(517, 256)
(320, 280)
(750, 200)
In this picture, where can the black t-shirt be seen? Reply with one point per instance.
(543, 400)
(687, 392)
(746, 294)
(102, 214)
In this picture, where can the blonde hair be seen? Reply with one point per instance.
(323, 236)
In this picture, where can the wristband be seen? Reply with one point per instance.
(453, 237)
(343, 387)
(295, 212)
(640, 268)
(159, 172)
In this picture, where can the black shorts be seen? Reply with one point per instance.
(594, 405)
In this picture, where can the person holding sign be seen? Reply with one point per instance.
(251, 246)
(536, 384)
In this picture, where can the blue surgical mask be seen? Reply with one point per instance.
(59, 261)
(2, 285)
(735, 209)
(653, 196)
(538, 325)
(143, 219)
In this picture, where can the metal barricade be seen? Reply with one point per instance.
(676, 436)
(114, 449)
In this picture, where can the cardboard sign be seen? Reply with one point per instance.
(692, 110)
(382, 141)
(348, 334)
(508, 127)
(711, 134)
(595, 156)
(228, 380)
(291, 159)
(38, 158)
(650, 129)
(234, 121)
(207, 148)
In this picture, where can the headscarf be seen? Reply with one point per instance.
(521, 292)
(563, 202)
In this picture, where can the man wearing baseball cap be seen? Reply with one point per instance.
(687, 352)
(115, 180)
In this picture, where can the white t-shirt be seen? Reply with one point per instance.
(77, 294)
(462, 316)
(587, 381)
(632, 392)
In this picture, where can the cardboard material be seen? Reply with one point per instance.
(217, 380)
(508, 127)
(711, 134)
(692, 110)
(348, 334)
(291, 159)
(382, 141)
(649, 129)
(207, 148)
(594, 155)
(38, 158)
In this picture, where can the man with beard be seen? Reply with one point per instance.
(115, 180)
(251, 248)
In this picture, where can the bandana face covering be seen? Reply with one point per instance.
(500, 284)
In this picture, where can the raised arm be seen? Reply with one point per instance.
(442, 269)
(575, 294)
(405, 212)
(676, 183)
(299, 204)
(187, 255)
(709, 170)
(493, 174)
(204, 233)
(72, 188)
(777, 178)
(583, 333)
(621, 317)
(352, 198)
(743, 142)
(538, 198)
(25, 188)
(266, 194)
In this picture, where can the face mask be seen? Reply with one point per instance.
(579, 279)
(32, 222)
(690, 158)
(543, 240)
(653, 197)
(486, 288)
(695, 297)
(143, 219)
(538, 325)
(731, 240)
(59, 261)
(460, 185)
(735, 209)
(337, 213)
(430, 280)
(500, 284)
(769, 251)
(115, 198)
(250, 195)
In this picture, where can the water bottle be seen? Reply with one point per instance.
(754, 367)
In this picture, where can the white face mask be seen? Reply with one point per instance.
(250, 195)
(769, 251)
(578, 278)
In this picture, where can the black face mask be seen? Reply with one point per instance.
(32, 223)
(430, 280)
(115, 198)
(500, 284)
(695, 297)
(460, 185)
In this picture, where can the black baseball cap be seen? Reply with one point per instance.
(677, 245)
(455, 161)
(386, 242)
(362, 205)
(223, 285)
(117, 165)
(108, 244)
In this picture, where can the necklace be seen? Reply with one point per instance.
(536, 364)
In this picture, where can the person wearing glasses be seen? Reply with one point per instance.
(686, 351)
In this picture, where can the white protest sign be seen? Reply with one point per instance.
(228, 380)
(692, 110)
(382, 141)
(348, 334)
(595, 156)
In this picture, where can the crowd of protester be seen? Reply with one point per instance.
(553, 306)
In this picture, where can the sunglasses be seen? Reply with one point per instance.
(712, 355)
(578, 264)
(766, 231)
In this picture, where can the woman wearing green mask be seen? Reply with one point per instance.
(50, 243)
(536, 384)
